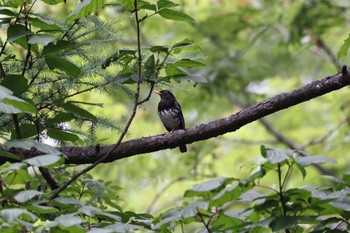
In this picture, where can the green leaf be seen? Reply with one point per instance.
(13, 167)
(308, 160)
(62, 135)
(4, 92)
(193, 208)
(85, 8)
(13, 3)
(48, 160)
(16, 31)
(39, 209)
(342, 202)
(207, 186)
(283, 222)
(226, 195)
(187, 63)
(165, 4)
(9, 155)
(89, 210)
(44, 24)
(41, 39)
(27, 131)
(150, 63)
(158, 49)
(8, 12)
(59, 46)
(18, 105)
(67, 201)
(28, 144)
(53, 2)
(344, 48)
(174, 15)
(18, 177)
(68, 220)
(69, 107)
(13, 214)
(127, 4)
(26, 195)
(55, 62)
(184, 43)
(174, 71)
(60, 118)
(16, 83)
(146, 6)
(277, 156)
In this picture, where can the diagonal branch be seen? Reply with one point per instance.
(85, 155)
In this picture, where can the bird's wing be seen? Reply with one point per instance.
(182, 120)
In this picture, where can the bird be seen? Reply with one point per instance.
(170, 113)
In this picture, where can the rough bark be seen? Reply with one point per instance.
(85, 155)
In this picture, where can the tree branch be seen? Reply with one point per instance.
(85, 155)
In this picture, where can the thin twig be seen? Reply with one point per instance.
(206, 225)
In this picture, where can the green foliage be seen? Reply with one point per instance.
(248, 205)
(45, 63)
(49, 63)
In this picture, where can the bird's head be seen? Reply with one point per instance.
(165, 94)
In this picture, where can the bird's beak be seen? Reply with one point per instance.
(157, 92)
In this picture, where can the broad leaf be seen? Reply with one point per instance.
(283, 222)
(9, 155)
(174, 15)
(28, 144)
(62, 135)
(85, 8)
(16, 31)
(53, 2)
(165, 4)
(69, 107)
(26, 195)
(27, 131)
(44, 24)
(60, 118)
(68, 220)
(187, 63)
(207, 186)
(41, 209)
(59, 46)
(54, 62)
(344, 48)
(12, 214)
(193, 208)
(276, 155)
(41, 39)
(12, 104)
(16, 83)
(48, 160)
(158, 49)
(308, 160)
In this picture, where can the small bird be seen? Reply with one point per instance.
(170, 113)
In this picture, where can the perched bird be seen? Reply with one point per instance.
(170, 113)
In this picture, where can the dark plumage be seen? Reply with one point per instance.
(170, 113)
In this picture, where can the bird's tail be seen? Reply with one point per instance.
(183, 148)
